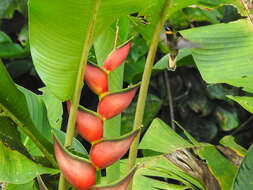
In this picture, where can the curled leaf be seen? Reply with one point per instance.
(96, 79)
(113, 104)
(107, 151)
(115, 58)
(79, 172)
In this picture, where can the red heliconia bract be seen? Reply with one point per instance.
(113, 104)
(96, 79)
(115, 58)
(80, 173)
(119, 185)
(89, 126)
(106, 152)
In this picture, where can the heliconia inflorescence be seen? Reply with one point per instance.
(81, 173)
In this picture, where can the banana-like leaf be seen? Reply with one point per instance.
(244, 177)
(225, 54)
(18, 169)
(13, 102)
(57, 33)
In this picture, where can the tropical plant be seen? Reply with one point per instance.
(86, 42)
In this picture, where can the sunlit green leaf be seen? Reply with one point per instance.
(18, 169)
(225, 53)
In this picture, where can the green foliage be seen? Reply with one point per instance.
(17, 109)
(217, 168)
(9, 49)
(7, 7)
(219, 59)
(18, 169)
(244, 179)
(161, 138)
(206, 111)
(27, 186)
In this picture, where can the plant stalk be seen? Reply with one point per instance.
(79, 85)
(145, 83)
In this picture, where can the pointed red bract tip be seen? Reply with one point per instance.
(89, 126)
(119, 185)
(107, 152)
(96, 79)
(79, 173)
(113, 104)
(115, 58)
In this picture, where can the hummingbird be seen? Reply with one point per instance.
(175, 42)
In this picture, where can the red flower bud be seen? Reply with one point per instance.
(105, 152)
(96, 79)
(118, 185)
(113, 104)
(89, 126)
(79, 172)
(115, 58)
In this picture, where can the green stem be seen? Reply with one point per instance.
(145, 83)
(79, 85)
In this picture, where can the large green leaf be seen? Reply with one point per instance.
(14, 104)
(18, 169)
(225, 54)
(161, 138)
(245, 101)
(57, 32)
(222, 169)
(160, 166)
(244, 177)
